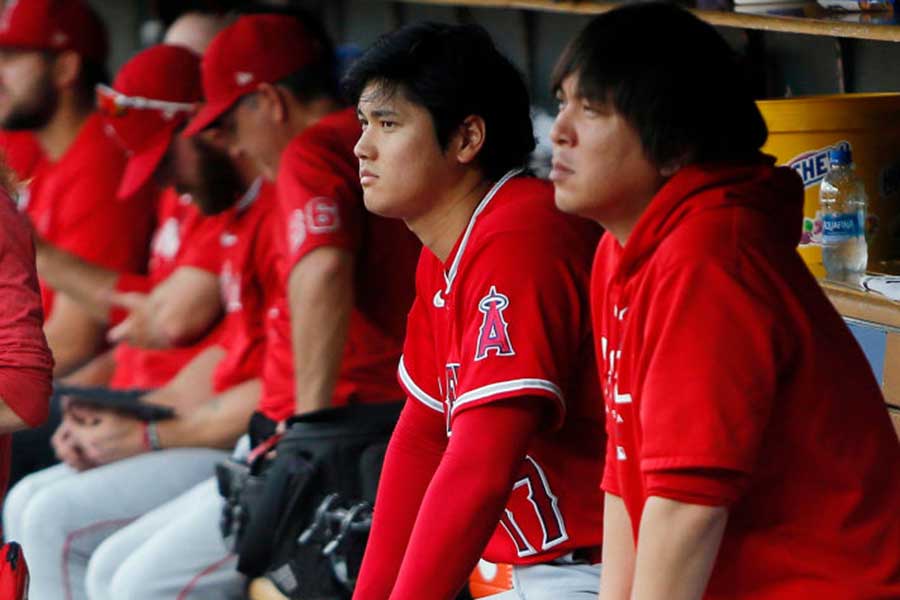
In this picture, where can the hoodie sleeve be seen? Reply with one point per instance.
(26, 366)
(711, 376)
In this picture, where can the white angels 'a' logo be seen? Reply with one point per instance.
(243, 77)
(494, 332)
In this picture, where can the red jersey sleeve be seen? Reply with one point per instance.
(707, 397)
(26, 366)
(521, 322)
(610, 482)
(321, 205)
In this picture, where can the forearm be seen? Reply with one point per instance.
(321, 301)
(412, 457)
(192, 387)
(677, 547)
(483, 458)
(87, 284)
(618, 550)
(98, 371)
(218, 423)
(72, 335)
(186, 305)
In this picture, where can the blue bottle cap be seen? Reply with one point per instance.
(840, 155)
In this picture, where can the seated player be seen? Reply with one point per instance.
(499, 449)
(213, 395)
(51, 56)
(349, 274)
(750, 454)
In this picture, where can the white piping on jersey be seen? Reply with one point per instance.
(250, 195)
(417, 392)
(508, 386)
(450, 274)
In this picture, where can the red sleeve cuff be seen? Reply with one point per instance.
(552, 398)
(341, 242)
(610, 482)
(211, 263)
(708, 487)
(27, 392)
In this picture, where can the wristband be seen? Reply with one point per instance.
(151, 436)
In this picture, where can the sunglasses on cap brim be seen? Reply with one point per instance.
(116, 104)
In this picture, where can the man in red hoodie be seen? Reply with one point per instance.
(749, 453)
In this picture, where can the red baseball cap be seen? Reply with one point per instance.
(54, 25)
(255, 49)
(154, 94)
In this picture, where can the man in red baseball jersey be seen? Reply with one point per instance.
(499, 449)
(270, 86)
(51, 56)
(750, 453)
(172, 310)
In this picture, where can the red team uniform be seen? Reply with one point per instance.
(506, 316)
(184, 238)
(250, 279)
(730, 380)
(73, 205)
(321, 205)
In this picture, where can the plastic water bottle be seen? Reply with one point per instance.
(842, 208)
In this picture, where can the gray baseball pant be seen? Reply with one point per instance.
(561, 579)
(61, 516)
(172, 553)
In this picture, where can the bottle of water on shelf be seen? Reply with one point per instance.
(842, 208)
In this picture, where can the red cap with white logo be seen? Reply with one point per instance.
(53, 25)
(154, 94)
(255, 49)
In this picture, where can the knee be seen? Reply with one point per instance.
(14, 507)
(101, 570)
(134, 579)
(43, 518)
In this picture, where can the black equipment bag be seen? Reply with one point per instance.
(303, 518)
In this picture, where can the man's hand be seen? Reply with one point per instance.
(139, 328)
(107, 436)
(66, 446)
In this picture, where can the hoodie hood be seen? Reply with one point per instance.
(776, 192)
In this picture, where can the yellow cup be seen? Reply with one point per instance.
(802, 130)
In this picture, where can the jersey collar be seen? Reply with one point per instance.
(249, 196)
(450, 274)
